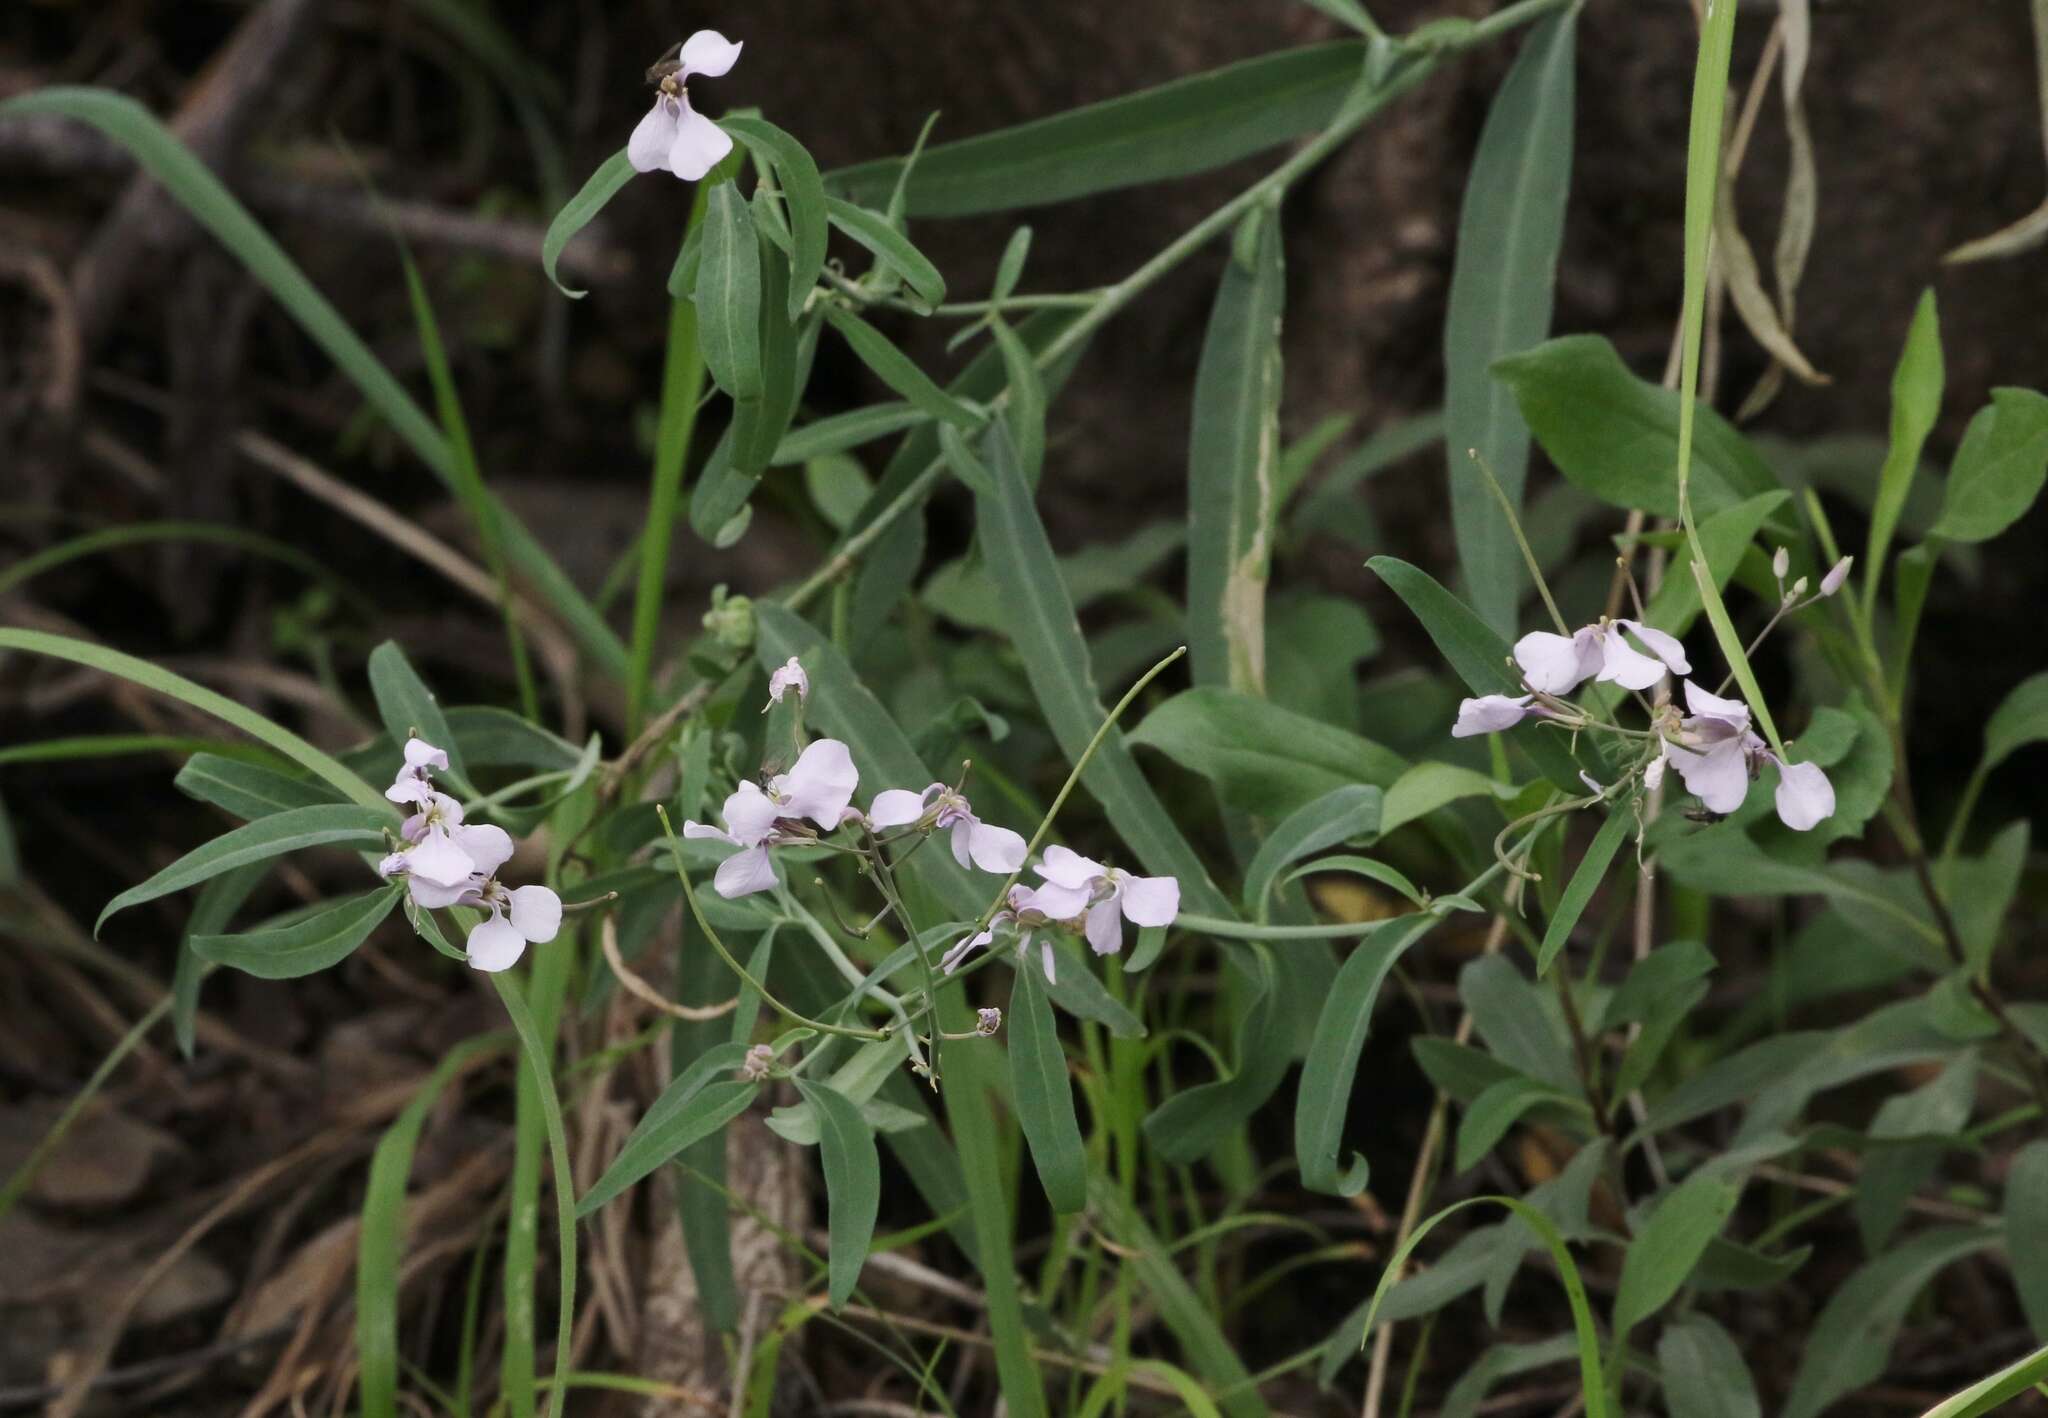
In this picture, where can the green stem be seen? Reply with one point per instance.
(697, 911)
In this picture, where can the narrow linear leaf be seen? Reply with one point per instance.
(247, 790)
(1045, 1099)
(1337, 816)
(895, 369)
(329, 824)
(803, 191)
(1669, 1245)
(311, 943)
(1916, 402)
(705, 1110)
(1510, 229)
(889, 246)
(406, 705)
(1578, 892)
(728, 294)
(853, 1184)
(1704, 1373)
(598, 189)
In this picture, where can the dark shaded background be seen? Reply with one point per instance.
(131, 352)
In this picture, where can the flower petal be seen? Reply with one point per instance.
(1051, 900)
(1653, 772)
(488, 847)
(743, 873)
(1489, 714)
(962, 948)
(790, 676)
(433, 896)
(1665, 647)
(536, 913)
(1151, 900)
(705, 829)
(1805, 797)
(1732, 712)
(1068, 868)
(654, 135)
(1045, 958)
(959, 837)
(994, 849)
(709, 53)
(1105, 928)
(750, 814)
(419, 754)
(409, 789)
(495, 945)
(1719, 778)
(1625, 665)
(699, 145)
(1555, 664)
(821, 784)
(895, 807)
(439, 860)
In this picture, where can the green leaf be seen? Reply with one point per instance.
(329, 824)
(212, 909)
(1578, 892)
(1616, 435)
(1992, 1393)
(1849, 1343)
(1592, 1376)
(406, 705)
(1924, 1122)
(1233, 451)
(1045, 1100)
(311, 942)
(1186, 1314)
(1359, 866)
(895, 369)
(1010, 269)
(1999, 468)
(1264, 759)
(1423, 789)
(728, 294)
(1502, 276)
(1338, 816)
(853, 1184)
(202, 194)
(1500, 1361)
(891, 247)
(1330, 1071)
(597, 190)
(703, 1109)
(1704, 1373)
(1048, 639)
(803, 191)
(1517, 1020)
(247, 790)
(836, 434)
(1669, 1245)
(1481, 658)
(1183, 127)
(1497, 1108)
(1916, 403)
(1079, 993)
(380, 1240)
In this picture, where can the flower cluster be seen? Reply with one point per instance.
(448, 862)
(1712, 748)
(673, 136)
(816, 796)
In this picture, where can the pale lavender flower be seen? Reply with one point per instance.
(415, 781)
(525, 915)
(1717, 755)
(819, 787)
(1490, 713)
(759, 1060)
(674, 136)
(940, 808)
(790, 676)
(1030, 911)
(1075, 883)
(1558, 664)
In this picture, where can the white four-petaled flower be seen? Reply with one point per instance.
(674, 136)
(1558, 664)
(818, 787)
(788, 677)
(1075, 883)
(1716, 753)
(992, 848)
(448, 862)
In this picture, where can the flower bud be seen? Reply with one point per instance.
(730, 620)
(759, 1060)
(1781, 562)
(1798, 590)
(987, 1021)
(1837, 574)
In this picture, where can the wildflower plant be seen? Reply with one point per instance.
(806, 851)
